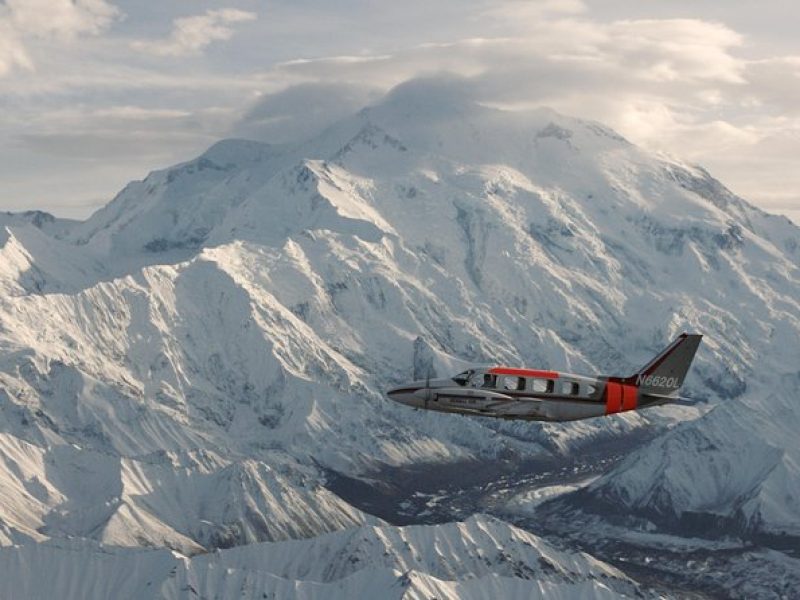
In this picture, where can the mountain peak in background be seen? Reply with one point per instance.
(208, 353)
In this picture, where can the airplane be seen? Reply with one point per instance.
(541, 395)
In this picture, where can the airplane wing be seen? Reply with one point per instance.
(473, 393)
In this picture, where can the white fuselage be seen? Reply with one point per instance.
(522, 394)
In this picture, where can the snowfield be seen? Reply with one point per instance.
(179, 370)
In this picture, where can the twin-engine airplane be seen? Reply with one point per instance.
(529, 394)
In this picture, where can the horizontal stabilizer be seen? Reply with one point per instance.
(668, 398)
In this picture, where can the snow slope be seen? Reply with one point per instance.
(479, 558)
(735, 469)
(187, 501)
(201, 349)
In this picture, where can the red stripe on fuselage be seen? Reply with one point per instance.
(629, 397)
(523, 372)
(620, 397)
(613, 394)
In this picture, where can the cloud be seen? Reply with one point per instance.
(655, 80)
(120, 132)
(13, 54)
(24, 20)
(60, 18)
(647, 78)
(522, 12)
(681, 51)
(190, 35)
(680, 86)
(101, 145)
(302, 110)
(774, 85)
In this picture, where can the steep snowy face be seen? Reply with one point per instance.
(39, 219)
(254, 303)
(174, 209)
(32, 260)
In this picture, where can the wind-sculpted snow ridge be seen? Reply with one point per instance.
(479, 546)
(33, 262)
(211, 343)
(479, 558)
(186, 501)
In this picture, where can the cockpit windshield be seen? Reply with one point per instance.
(463, 378)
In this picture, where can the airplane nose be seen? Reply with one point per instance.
(402, 394)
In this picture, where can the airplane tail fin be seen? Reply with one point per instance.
(664, 374)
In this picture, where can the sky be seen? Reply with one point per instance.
(95, 93)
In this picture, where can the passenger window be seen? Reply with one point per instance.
(513, 383)
(590, 390)
(543, 385)
(489, 381)
(570, 388)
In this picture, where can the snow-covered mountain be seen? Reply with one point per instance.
(479, 558)
(181, 369)
(734, 470)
